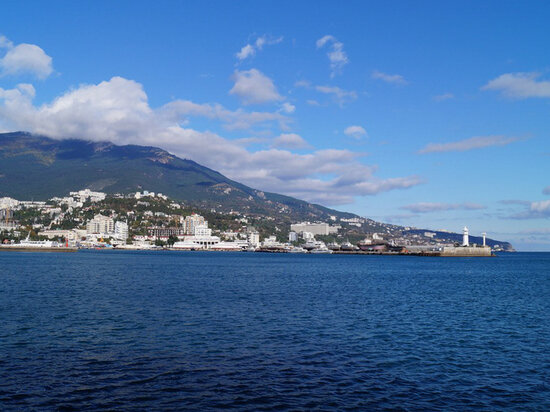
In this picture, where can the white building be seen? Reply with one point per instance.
(8, 202)
(253, 238)
(193, 221)
(322, 229)
(100, 225)
(84, 195)
(293, 237)
(121, 230)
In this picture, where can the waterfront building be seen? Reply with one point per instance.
(193, 221)
(165, 232)
(319, 228)
(293, 237)
(121, 230)
(100, 225)
(253, 238)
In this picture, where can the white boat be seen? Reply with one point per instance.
(324, 250)
(320, 247)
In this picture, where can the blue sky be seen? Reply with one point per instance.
(432, 114)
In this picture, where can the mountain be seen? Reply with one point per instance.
(39, 168)
(36, 167)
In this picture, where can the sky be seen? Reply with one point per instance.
(425, 114)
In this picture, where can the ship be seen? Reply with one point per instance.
(37, 246)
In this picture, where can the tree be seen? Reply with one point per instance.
(171, 240)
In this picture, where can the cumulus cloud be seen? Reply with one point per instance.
(24, 59)
(477, 142)
(429, 207)
(520, 85)
(357, 132)
(250, 50)
(443, 97)
(288, 107)
(118, 110)
(290, 141)
(254, 87)
(389, 78)
(336, 54)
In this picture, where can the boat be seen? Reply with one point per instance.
(347, 247)
(333, 246)
(27, 245)
(324, 250)
(320, 248)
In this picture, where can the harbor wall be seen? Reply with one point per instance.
(465, 251)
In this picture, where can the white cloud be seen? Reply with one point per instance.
(24, 59)
(290, 141)
(443, 97)
(535, 210)
(336, 54)
(340, 96)
(541, 207)
(429, 207)
(246, 52)
(250, 50)
(254, 87)
(477, 142)
(389, 78)
(5, 43)
(288, 107)
(520, 85)
(357, 132)
(118, 110)
(232, 120)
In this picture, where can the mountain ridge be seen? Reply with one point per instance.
(73, 164)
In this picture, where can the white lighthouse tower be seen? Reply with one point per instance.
(484, 240)
(465, 237)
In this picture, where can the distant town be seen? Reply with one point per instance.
(152, 221)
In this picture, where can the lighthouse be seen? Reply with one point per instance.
(465, 237)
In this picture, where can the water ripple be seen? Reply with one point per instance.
(154, 331)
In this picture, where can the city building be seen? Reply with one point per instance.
(84, 195)
(165, 232)
(193, 221)
(322, 229)
(252, 237)
(100, 225)
(121, 230)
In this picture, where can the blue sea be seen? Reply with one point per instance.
(250, 331)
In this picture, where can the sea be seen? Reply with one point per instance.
(150, 331)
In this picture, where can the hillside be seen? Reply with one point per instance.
(37, 167)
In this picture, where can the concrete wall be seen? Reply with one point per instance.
(467, 251)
